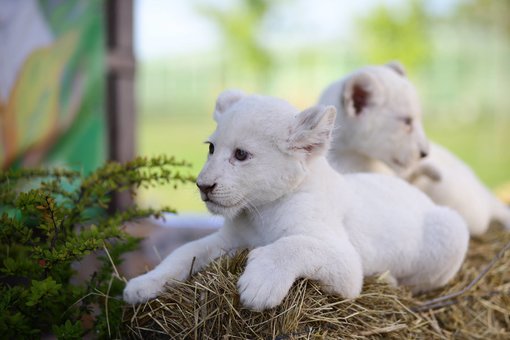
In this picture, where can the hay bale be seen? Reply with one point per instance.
(207, 306)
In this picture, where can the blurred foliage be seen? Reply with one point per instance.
(240, 26)
(487, 14)
(456, 57)
(389, 34)
(59, 221)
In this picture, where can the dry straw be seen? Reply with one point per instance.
(476, 305)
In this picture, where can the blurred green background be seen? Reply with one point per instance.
(456, 52)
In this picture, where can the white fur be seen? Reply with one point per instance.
(377, 140)
(458, 187)
(303, 219)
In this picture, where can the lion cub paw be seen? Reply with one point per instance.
(263, 284)
(143, 288)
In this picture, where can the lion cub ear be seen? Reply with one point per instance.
(311, 130)
(397, 67)
(361, 91)
(225, 100)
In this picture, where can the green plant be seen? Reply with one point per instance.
(52, 218)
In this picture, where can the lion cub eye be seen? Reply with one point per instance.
(407, 120)
(211, 148)
(240, 155)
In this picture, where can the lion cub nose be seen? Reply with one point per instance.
(206, 188)
(423, 154)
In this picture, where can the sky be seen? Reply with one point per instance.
(173, 27)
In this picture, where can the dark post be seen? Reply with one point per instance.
(120, 97)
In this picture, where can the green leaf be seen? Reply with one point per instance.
(42, 289)
(68, 330)
(51, 218)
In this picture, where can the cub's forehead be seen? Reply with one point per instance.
(406, 97)
(391, 80)
(398, 90)
(262, 107)
(257, 116)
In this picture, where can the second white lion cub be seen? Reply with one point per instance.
(379, 128)
(268, 176)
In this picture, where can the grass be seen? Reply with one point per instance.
(184, 140)
(473, 305)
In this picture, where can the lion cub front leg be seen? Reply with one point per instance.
(176, 267)
(272, 269)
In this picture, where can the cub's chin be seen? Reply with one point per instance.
(225, 211)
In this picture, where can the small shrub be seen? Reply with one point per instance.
(52, 218)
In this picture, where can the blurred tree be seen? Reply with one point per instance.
(489, 14)
(240, 25)
(396, 34)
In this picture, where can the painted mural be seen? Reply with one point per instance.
(52, 83)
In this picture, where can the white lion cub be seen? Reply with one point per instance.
(379, 129)
(378, 123)
(268, 176)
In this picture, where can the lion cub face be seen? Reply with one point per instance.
(259, 151)
(379, 116)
